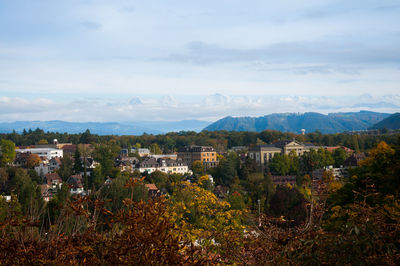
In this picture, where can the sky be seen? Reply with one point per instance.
(120, 60)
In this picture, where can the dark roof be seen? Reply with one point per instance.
(354, 159)
(195, 148)
(75, 181)
(281, 180)
(149, 162)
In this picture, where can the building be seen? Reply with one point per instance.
(141, 151)
(173, 166)
(42, 169)
(152, 190)
(75, 182)
(126, 163)
(333, 148)
(354, 160)
(283, 180)
(53, 180)
(54, 164)
(151, 165)
(148, 165)
(263, 153)
(164, 156)
(206, 154)
(49, 153)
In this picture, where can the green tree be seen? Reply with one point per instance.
(159, 178)
(236, 200)
(339, 156)
(7, 152)
(78, 168)
(66, 166)
(197, 168)
(105, 154)
(155, 149)
(280, 164)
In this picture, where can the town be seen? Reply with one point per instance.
(217, 191)
(47, 162)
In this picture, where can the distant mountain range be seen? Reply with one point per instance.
(294, 122)
(391, 122)
(108, 128)
(286, 122)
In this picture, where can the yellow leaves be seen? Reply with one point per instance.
(381, 150)
(200, 212)
(336, 211)
(335, 186)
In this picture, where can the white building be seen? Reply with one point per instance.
(142, 151)
(42, 169)
(164, 165)
(49, 153)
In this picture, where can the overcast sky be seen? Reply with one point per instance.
(120, 60)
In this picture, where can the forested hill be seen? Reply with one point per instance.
(294, 122)
(391, 122)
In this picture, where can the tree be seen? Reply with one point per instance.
(339, 156)
(28, 192)
(105, 154)
(42, 141)
(155, 149)
(77, 162)
(227, 169)
(236, 201)
(159, 178)
(33, 160)
(197, 168)
(202, 215)
(66, 167)
(280, 164)
(290, 203)
(7, 151)
(205, 183)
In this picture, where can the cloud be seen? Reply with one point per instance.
(325, 52)
(91, 25)
(168, 108)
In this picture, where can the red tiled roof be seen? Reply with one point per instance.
(52, 176)
(151, 186)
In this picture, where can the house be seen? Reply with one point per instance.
(46, 192)
(53, 180)
(333, 148)
(148, 165)
(42, 169)
(164, 156)
(354, 160)
(221, 191)
(21, 159)
(151, 165)
(173, 166)
(75, 182)
(206, 154)
(69, 148)
(153, 190)
(126, 163)
(283, 180)
(141, 151)
(54, 164)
